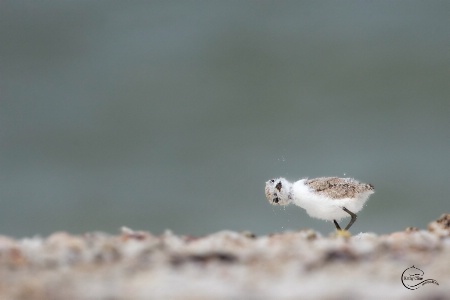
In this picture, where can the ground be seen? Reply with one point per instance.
(228, 265)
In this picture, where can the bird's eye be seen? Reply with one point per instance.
(279, 186)
(272, 180)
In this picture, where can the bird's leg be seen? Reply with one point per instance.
(337, 225)
(352, 220)
(341, 233)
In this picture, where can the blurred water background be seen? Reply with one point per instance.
(173, 114)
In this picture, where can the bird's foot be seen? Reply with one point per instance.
(343, 233)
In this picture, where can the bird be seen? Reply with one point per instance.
(326, 198)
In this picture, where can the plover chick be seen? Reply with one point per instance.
(326, 198)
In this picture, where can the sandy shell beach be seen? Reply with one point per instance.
(227, 265)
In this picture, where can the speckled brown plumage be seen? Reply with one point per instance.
(338, 188)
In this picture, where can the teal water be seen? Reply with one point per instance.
(173, 114)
